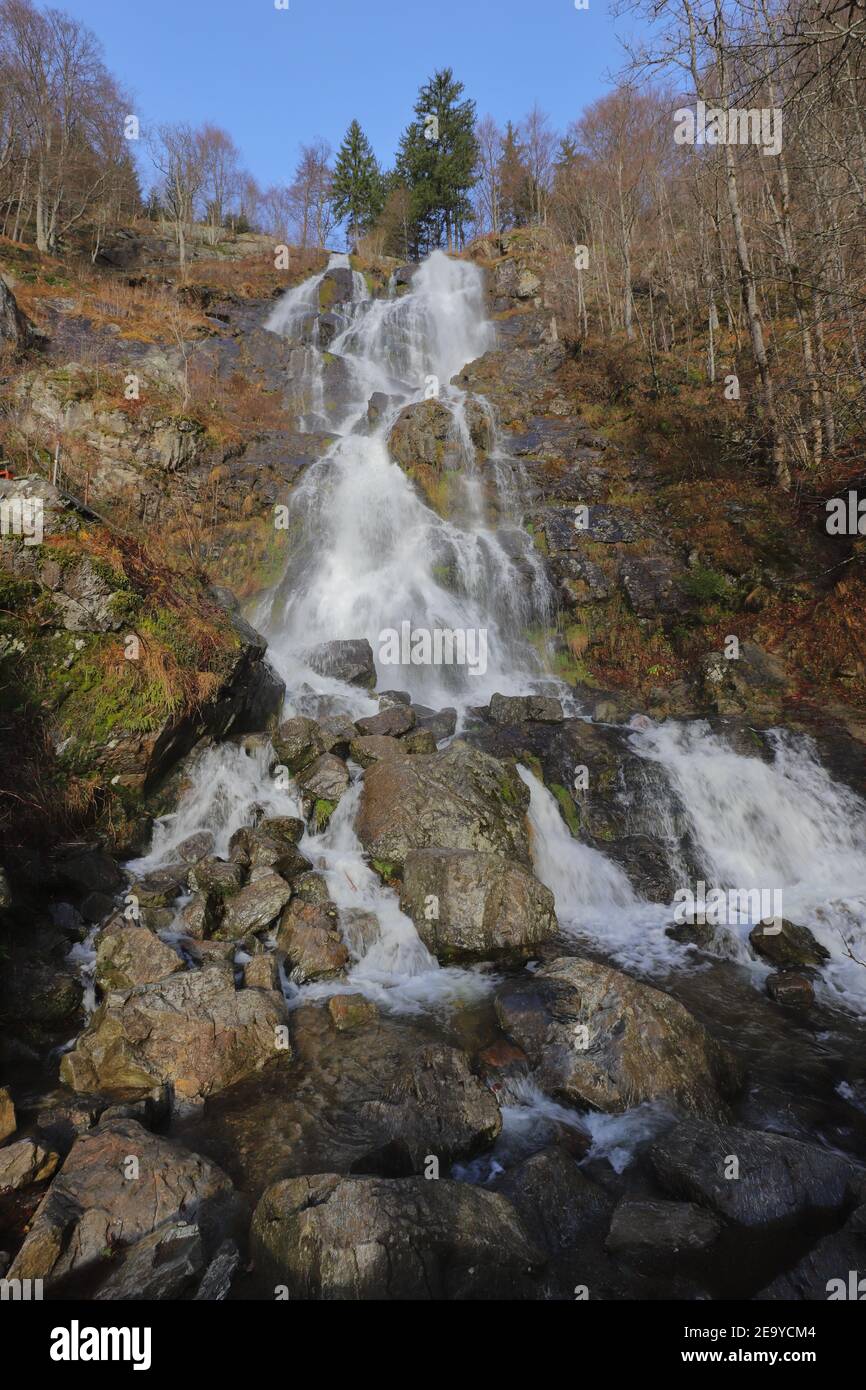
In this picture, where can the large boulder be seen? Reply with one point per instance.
(436, 1082)
(599, 1038)
(753, 1178)
(254, 908)
(349, 660)
(834, 1270)
(129, 955)
(333, 1238)
(194, 1031)
(118, 1184)
(8, 1122)
(309, 937)
(467, 905)
(645, 1231)
(419, 435)
(24, 1163)
(458, 799)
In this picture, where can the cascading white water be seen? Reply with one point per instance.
(781, 825)
(367, 553)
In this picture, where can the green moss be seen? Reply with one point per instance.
(567, 806)
(322, 812)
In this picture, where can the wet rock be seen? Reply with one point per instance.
(457, 799)
(24, 1163)
(160, 887)
(335, 287)
(377, 747)
(163, 1265)
(8, 1123)
(196, 847)
(793, 990)
(419, 741)
(599, 1038)
(388, 723)
(834, 1271)
(514, 709)
(419, 435)
(349, 660)
(337, 732)
(262, 972)
(193, 1031)
(217, 879)
(779, 1178)
(646, 1231)
(298, 742)
(254, 908)
(288, 828)
(257, 849)
(312, 888)
(350, 1011)
(323, 784)
(433, 1106)
(793, 947)
(93, 1207)
(559, 1205)
(309, 936)
(96, 907)
(441, 723)
(467, 905)
(128, 955)
(200, 917)
(367, 1238)
(218, 1276)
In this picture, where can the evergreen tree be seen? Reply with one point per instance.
(514, 181)
(437, 161)
(357, 183)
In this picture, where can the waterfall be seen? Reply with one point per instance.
(368, 553)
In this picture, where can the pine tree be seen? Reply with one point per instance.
(437, 161)
(357, 182)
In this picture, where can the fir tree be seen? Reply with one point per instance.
(437, 161)
(357, 182)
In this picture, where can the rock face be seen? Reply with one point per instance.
(162, 1265)
(14, 328)
(558, 1204)
(469, 905)
(327, 1237)
(459, 799)
(779, 1178)
(825, 1273)
(94, 1204)
(193, 1031)
(599, 1038)
(419, 435)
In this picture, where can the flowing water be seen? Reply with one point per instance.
(368, 554)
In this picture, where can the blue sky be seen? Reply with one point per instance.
(276, 78)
